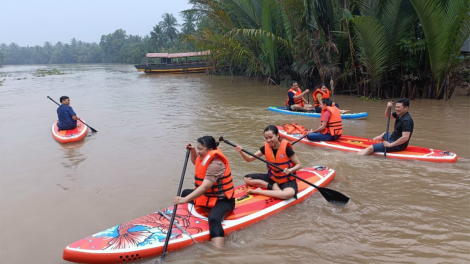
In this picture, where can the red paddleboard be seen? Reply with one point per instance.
(352, 143)
(69, 136)
(145, 236)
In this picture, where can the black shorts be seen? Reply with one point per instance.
(264, 177)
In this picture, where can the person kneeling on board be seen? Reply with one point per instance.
(331, 126)
(322, 92)
(399, 139)
(214, 185)
(295, 99)
(277, 182)
(66, 115)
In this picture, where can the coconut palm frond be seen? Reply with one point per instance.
(371, 43)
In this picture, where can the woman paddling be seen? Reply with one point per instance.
(278, 183)
(214, 185)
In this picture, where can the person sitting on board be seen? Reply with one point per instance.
(278, 183)
(403, 129)
(66, 115)
(331, 126)
(214, 185)
(295, 99)
(322, 92)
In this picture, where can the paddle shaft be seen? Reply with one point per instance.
(388, 125)
(168, 235)
(328, 194)
(302, 137)
(332, 90)
(92, 129)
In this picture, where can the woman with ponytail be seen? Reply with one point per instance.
(214, 185)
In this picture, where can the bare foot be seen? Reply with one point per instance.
(251, 191)
(218, 242)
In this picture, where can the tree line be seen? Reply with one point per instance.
(373, 48)
(116, 47)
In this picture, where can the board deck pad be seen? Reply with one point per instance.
(68, 136)
(283, 109)
(352, 143)
(145, 236)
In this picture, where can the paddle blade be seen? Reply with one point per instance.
(333, 196)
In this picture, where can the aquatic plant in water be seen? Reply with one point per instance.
(42, 73)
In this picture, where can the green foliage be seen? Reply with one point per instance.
(372, 46)
(43, 73)
(446, 25)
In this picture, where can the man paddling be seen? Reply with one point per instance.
(67, 117)
(403, 129)
(331, 126)
(295, 99)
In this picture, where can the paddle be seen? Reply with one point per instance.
(332, 90)
(331, 196)
(92, 129)
(175, 207)
(388, 124)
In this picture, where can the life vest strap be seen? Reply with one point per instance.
(215, 193)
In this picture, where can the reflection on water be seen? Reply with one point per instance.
(72, 153)
(400, 211)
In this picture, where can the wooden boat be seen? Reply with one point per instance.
(189, 62)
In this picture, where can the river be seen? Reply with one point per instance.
(52, 195)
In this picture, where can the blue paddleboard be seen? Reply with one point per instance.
(283, 109)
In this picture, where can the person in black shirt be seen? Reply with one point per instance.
(277, 182)
(403, 129)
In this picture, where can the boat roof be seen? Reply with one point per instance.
(178, 55)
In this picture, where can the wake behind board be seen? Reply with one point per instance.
(145, 236)
(283, 109)
(69, 136)
(352, 143)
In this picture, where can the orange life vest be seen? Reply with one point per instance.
(323, 96)
(281, 160)
(222, 188)
(294, 128)
(299, 101)
(334, 125)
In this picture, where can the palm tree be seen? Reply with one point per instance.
(446, 26)
(189, 24)
(156, 35)
(168, 26)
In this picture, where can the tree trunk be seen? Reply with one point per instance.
(403, 91)
(414, 93)
(443, 88)
(425, 91)
(410, 92)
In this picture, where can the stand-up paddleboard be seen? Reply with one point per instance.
(283, 109)
(69, 136)
(145, 236)
(352, 143)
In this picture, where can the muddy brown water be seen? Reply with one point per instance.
(52, 194)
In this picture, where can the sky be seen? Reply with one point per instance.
(33, 22)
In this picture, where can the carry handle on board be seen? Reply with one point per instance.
(331, 196)
(92, 129)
